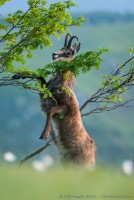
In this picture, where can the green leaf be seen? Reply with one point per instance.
(66, 89)
(121, 99)
(2, 2)
(131, 50)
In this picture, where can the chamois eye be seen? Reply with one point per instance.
(68, 53)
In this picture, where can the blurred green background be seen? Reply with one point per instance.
(22, 121)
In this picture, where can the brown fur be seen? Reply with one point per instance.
(75, 144)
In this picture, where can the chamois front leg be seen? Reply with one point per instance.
(47, 128)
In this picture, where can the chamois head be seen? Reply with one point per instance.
(68, 51)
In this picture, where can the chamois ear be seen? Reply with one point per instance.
(76, 48)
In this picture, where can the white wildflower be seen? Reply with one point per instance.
(42, 164)
(9, 157)
(127, 167)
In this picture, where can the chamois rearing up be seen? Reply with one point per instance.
(74, 143)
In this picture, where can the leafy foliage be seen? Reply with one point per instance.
(24, 32)
(82, 63)
(2, 2)
(30, 30)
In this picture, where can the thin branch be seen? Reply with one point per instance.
(103, 93)
(16, 83)
(53, 138)
(124, 64)
(89, 100)
(28, 38)
(35, 152)
(107, 108)
(8, 52)
(53, 135)
(14, 26)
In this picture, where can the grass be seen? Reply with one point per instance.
(59, 183)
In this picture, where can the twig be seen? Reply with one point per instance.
(102, 94)
(35, 152)
(124, 64)
(14, 26)
(54, 137)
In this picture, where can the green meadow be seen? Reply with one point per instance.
(58, 184)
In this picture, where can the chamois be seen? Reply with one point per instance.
(74, 143)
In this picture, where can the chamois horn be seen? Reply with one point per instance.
(66, 39)
(70, 41)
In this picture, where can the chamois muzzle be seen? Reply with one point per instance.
(54, 56)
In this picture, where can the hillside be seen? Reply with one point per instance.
(21, 119)
(94, 6)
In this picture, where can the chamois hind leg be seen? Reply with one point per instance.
(47, 128)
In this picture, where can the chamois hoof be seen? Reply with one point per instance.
(42, 137)
(45, 135)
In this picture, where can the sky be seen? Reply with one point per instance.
(84, 5)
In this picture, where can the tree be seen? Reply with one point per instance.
(24, 32)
